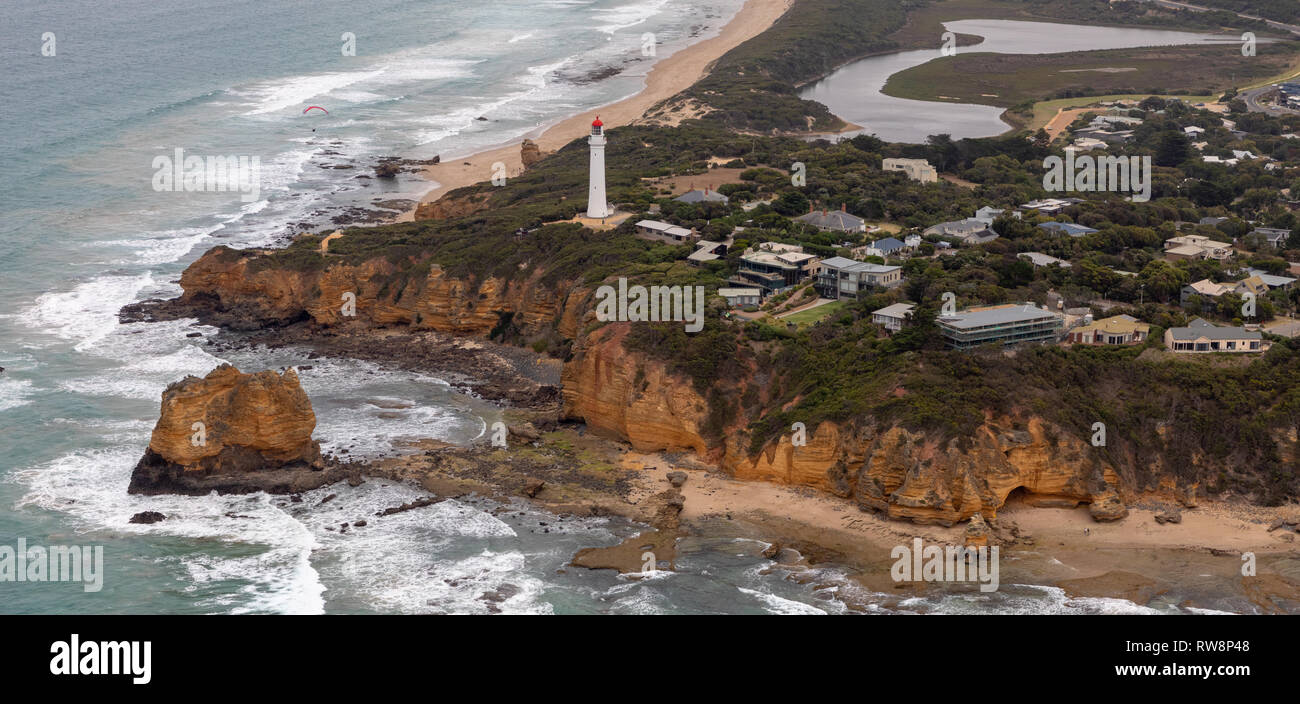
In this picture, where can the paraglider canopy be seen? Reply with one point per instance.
(316, 107)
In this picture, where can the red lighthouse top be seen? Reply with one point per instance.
(598, 123)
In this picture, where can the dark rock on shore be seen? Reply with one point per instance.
(147, 517)
(154, 476)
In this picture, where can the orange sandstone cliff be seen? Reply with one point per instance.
(901, 473)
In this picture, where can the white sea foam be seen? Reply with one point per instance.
(276, 95)
(87, 313)
(624, 16)
(14, 392)
(780, 605)
(90, 487)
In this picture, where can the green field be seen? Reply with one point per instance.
(1008, 80)
(812, 316)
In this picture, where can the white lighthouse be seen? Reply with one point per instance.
(597, 207)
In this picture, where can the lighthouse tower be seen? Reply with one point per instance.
(597, 207)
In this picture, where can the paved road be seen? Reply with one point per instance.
(1252, 96)
(1294, 29)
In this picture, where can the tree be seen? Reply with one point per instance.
(1162, 279)
(1172, 149)
(791, 204)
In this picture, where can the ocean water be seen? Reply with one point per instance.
(83, 232)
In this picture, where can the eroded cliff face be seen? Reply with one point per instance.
(620, 394)
(904, 474)
(228, 287)
(228, 423)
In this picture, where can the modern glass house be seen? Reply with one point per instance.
(1007, 324)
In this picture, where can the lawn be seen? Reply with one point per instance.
(812, 316)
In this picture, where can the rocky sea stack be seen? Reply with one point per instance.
(232, 432)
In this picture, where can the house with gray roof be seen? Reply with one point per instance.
(888, 246)
(1066, 228)
(1200, 336)
(1272, 280)
(838, 277)
(1010, 324)
(696, 195)
(833, 221)
(1276, 237)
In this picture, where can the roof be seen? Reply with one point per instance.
(1205, 287)
(832, 220)
(1040, 259)
(698, 196)
(850, 265)
(888, 244)
(996, 315)
(1068, 228)
(1117, 325)
(1272, 280)
(1199, 328)
(735, 292)
(701, 255)
(898, 310)
(1188, 250)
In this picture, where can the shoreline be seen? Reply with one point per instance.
(571, 471)
(666, 78)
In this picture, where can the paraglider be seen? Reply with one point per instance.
(316, 107)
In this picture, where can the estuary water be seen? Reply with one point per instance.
(853, 91)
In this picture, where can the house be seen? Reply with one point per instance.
(774, 266)
(1005, 324)
(653, 229)
(981, 237)
(888, 246)
(741, 297)
(912, 241)
(1050, 206)
(706, 251)
(1194, 131)
(1276, 237)
(1113, 120)
(838, 277)
(1201, 336)
(1115, 330)
(892, 318)
(705, 196)
(1203, 288)
(834, 220)
(1040, 259)
(916, 169)
(1196, 247)
(988, 214)
(1107, 136)
(1087, 144)
(1067, 228)
(1271, 280)
(957, 228)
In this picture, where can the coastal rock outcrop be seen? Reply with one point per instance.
(529, 153)
(227, 432)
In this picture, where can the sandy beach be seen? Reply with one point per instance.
(666, 78)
